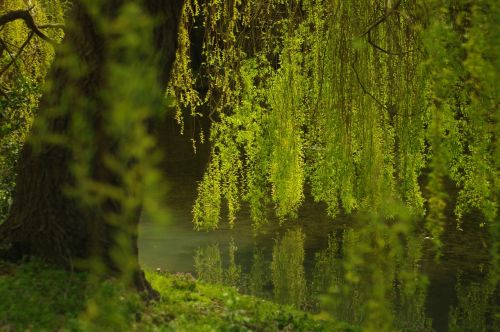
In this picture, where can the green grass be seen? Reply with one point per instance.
(34, 297)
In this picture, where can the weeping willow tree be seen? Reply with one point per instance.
(370, 103)
(373, 105)
(386, 109)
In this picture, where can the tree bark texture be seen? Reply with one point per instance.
(44, 220)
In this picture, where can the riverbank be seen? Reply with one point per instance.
(35, 297)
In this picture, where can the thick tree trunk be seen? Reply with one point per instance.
(44, 221)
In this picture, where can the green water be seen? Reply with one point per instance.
(372, 279)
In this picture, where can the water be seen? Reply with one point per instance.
(299, 262)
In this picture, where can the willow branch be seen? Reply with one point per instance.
(384, 50)
(365, 91)
(14, 58)
(382, 18)
(28, 20)
(353, 65)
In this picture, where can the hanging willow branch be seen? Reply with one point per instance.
(377, 22)
(353, 65)
(382, 18)
(390, 108)
(384, 50)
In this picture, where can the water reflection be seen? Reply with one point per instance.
(209, 267)
(233, 272)
(377, 274)
(328, 271)
(477, 308)
(366, 271)
(208, 264)
(258, 277)
(287, 269)
(378, 284)
(283, 276)
(368, 276)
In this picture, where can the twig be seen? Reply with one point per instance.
(361, 84)
(377, 23)
(384, 50)
(373, 97)
(8, 52)
(52, 26)
(14, 58)
(382, 18)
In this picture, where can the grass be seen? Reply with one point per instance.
(35, 297)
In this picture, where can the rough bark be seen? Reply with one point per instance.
(44, 220)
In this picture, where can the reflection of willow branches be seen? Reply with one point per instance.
(287, 269)
(476, 309)
(380, 267)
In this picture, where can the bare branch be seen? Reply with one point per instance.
(28, 19)
(52, 26)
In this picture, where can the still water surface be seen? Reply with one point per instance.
(300, 261)
(286, 264)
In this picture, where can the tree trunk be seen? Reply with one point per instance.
(44, 220)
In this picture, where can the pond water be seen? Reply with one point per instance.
(367, 282)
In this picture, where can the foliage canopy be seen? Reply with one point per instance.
(388, 108)
(370, 104)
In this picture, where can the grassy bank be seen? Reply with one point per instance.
(34, 297)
